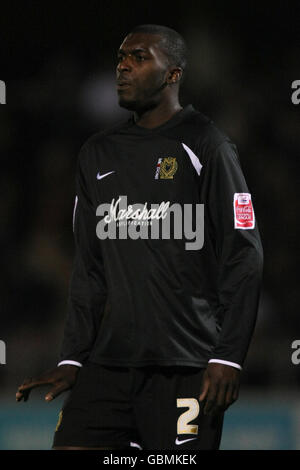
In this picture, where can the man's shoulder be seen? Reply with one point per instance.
(199, 132)
(206, 131)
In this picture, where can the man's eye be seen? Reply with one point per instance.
(140, 58)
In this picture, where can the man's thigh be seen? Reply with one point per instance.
(97, 413)
(168, 412)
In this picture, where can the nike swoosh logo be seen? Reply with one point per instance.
(99, 177)
(178, 443)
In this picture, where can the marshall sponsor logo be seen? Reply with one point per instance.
(155, 221)
(243, 211)
(131, 212)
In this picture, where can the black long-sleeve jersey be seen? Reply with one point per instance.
(168, 258)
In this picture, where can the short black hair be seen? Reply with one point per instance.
(172, 43)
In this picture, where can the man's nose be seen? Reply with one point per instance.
(124, 65)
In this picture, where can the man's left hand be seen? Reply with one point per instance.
(220, 387)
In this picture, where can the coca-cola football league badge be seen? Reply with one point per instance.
(243, 211)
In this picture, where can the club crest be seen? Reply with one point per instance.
(166, 168)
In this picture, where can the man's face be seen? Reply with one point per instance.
(141, 71)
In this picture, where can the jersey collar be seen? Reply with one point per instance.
(176, 119)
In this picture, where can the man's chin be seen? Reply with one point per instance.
(127, 104)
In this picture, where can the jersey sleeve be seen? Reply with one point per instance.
(87, 289)
(235, 237)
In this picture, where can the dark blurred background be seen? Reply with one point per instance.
(58, 61)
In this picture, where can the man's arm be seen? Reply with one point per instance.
(239, 257)
(87, 294)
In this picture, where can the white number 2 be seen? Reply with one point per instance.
(183, 426)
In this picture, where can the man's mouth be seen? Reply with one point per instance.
(123, 84)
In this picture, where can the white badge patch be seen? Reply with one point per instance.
(244, 217)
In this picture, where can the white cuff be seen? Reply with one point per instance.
(72, 363)
(227, 363)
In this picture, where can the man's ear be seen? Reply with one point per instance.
(174, 75)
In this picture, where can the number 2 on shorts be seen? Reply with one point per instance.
(183, 426)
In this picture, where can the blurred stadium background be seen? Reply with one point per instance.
(58, 62)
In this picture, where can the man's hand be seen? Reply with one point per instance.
(62, 378)
(220, 387)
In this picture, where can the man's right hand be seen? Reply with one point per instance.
(62, 378)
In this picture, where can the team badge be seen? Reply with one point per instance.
(166, 168)
(243, 211)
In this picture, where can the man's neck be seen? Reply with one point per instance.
(157, 116)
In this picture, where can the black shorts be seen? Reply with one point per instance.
(149, 407)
